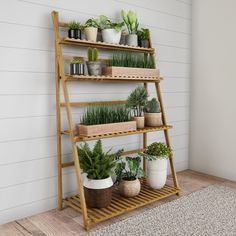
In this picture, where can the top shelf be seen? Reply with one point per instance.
(120, 47)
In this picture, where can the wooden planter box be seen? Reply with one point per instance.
(92, 130)
(115, 71)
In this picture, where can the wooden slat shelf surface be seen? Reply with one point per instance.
(139, 131)
(120, 205)
(120, 47)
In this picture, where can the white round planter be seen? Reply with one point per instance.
(98, 183)
(91, 33)
(157, 173)
(111, 36)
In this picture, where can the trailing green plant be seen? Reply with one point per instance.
(137, 100)
(156, 151)
(73, 25)
(131, 21)
(105, 23)
(143, 34)
(91, 23)
(128, 59)
(76, 61)
(92, 54)
(132, 172)
(153, 106)
(96, 163)
(95, 115)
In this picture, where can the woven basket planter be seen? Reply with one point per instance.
(91, 130)
(129, 188)
(129, 71)
(153, 119)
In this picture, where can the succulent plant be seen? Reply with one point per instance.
(92, 54)
(153, 106)
(131, 21)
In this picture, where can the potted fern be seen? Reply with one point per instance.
(127, 177)
(152, 114)
(143, 38)
(76, 67)
(91, 29)
(74, 30)
(98, 120)
(94, 66)
(132, 24)
(111, 31)
(137, 101)
(98, 167)
(157, 154)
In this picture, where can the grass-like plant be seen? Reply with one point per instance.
(73, 25)
(128, 59)
(95, 115)
(96, 163)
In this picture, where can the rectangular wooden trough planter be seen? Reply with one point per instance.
(115, 71)
(91, 130)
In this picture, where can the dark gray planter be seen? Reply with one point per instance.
(94, 67)
(77, 69)
(74, 33)
(144, 43)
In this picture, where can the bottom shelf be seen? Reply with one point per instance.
(120, 205)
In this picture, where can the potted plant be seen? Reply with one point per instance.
(130, 64)
(94, 66)
(157, 155)
(129, 184)
(143, 38)
(152, 114)
(132, 24)
(98, 167)
(98, 120)
(91, 29)
(76, 67)
(111, 31)
(74, 30)
(137, 101)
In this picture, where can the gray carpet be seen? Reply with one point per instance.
(210, 211)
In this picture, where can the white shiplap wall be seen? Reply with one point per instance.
(28, 176)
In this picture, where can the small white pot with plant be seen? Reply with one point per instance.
(91, 29)
(132, 24)
(137, 100)
(111, 31)
(157, 155)
(153, 115)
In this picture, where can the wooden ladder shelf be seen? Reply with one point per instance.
(119, 204)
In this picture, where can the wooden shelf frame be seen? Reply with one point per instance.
(119, 205)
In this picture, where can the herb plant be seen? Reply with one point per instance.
(76, 61)
(156, 151)
(73, 25)
(153, 106)
(132, 172)
(105, 23)
(96, 163)
(143, 34)
(92, 54)
(95, 115)
(91, 23)
(131, 21)
(137, 100)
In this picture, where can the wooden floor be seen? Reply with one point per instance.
(69, 222)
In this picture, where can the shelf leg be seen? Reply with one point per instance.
(145, 136)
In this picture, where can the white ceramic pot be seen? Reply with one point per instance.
(140, 121)
(98, 183)
(157, 173)
(91, 33)
(111, 36)
(132, 40)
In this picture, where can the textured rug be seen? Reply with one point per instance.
(209, 212)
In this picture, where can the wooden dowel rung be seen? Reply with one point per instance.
(82, 104)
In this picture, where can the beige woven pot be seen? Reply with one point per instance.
(91, 33)
(129, 188)
(153, 119)
(140, 121)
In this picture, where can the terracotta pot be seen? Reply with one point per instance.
(98, 192)
(91, 33)
(153, 119)
(140, 121)
(129, 188)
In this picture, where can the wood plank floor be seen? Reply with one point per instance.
(68, 222)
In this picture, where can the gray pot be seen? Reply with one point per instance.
(145, 43)
(132, 40)
(94, 67)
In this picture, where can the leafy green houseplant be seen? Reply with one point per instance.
(76, 67)
(98, 167)
(143, 37)
(98, 120)
(136, 101)
(157, 154)
(91, 29)
(132, 24)
(94, 66)
(153, 115)
(127, 177)
(74, 30)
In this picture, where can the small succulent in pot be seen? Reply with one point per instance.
(137, 101)
(143, 38)
(129, 184)
(76, 67)
(153, 115)
(132, 24)
(91, 29)
(94, 66)
(74, 30)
